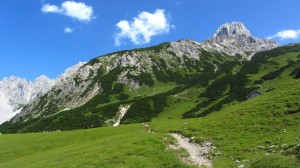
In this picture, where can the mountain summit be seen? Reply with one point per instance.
(232, 29)
(234, 38)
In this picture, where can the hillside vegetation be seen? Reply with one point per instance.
(124, 146)
(261, 132)
(213, 82)
(209, 105)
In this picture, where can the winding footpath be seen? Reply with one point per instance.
(198, 155)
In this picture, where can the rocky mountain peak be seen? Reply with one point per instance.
(235, 39)
(43, 78)
(16, 92)
(232, 29)
(69, 72)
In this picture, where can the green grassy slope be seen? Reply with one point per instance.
(124, 146)
(194, 94)
(261, 132)
(236, 132)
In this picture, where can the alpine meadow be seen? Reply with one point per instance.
(229, 101)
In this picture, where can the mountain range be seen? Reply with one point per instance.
(93, 93)
(229, 101)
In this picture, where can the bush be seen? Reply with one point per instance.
(275, 74)
(296, 73)
(118, 88)
(275, 161)
(108, 79)
(77, 80)
(143, 79)
(161, 76)
(122, 96)
(140, 111)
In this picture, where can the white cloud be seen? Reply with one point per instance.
(286, 34)
(142, 28)
(68, 30)
(51, 8)
(76, 10)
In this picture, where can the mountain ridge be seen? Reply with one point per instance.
(182, 87)
(17, 92)
(137, 68)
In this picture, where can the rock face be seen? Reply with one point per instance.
(6, 108)
(230, 38)
(84, 81)
(234, 38)
(232, 29)
(15, 93)
(67, 91)
(122, 111)
(73, 81)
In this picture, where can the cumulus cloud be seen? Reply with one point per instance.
(51, 8)
(68, 30)
(286, 34)
(76, 10)
(142, 28)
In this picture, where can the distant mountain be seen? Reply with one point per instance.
(234, 38)
(15, 93)
(141, 80)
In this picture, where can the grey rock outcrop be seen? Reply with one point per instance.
(15, 93)
(234, 38)
(232, 29)
(67, 91)
(230, 38)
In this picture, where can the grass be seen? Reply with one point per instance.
(237, 132)
(276, 161)
(260, 132)
(179, 103)
(124, 146)
(150, 91)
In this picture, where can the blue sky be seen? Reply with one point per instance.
(47, 36)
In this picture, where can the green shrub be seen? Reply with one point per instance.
(161, 76)
(122, 96)
(118, 88)
(140, 111)
(143, 78)
(275, 74)
(275, 161)
(108, 79)
(77, 80)
(296, 73)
